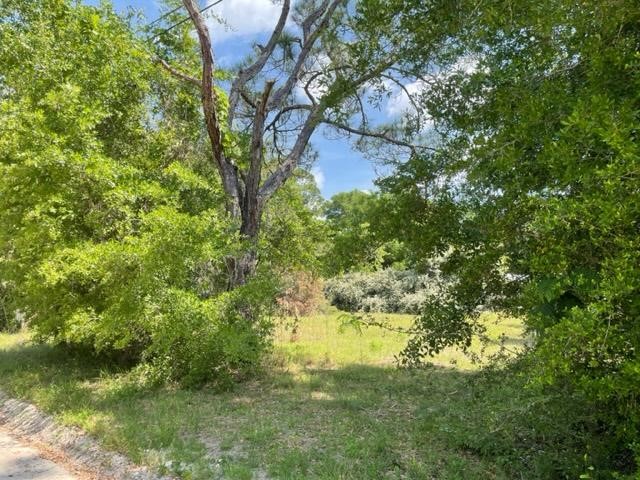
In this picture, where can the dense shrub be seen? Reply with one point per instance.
(390, 291)
(113, 234)
(141, 298)
(219, 339)
(8, 320)
(534, 194)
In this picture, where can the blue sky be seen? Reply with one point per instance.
(338, 168)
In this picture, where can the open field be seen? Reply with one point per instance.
(329, 341)
(332, 405)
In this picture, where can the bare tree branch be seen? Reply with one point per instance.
(250, 72)
(177, 73)
(403, 87)
(227, 171)
(288, 108)
(316, 116)
(308, 44)
(284, 171)
(312, 18)
(363, 115)
(247, 99)
(372, 134)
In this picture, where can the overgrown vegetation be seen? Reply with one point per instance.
(155, 214)
(331, 405)
(388, 291)
(8, 320)
(533, 194)
(113, 233)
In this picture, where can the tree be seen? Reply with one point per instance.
(112, 237)
(348, 216)
(293, 233)
(331, 61)
(354, 228)
(533, 198)
(60, 156)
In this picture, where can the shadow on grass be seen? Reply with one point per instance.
(61, 379)
(356, 421)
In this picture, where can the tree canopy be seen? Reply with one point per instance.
(150, 202)
(532, 197)
(325, 63)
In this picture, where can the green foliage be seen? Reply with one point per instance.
(293, 238)
(148, 296)
(111, 230)
(533, 198)
(352, 220)
(293, 235)
(221, 338)
(348, 217)
(390, 291)
(7, 315)
(543, 433)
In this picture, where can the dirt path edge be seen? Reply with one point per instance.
(68, 445)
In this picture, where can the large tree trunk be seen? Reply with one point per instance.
(245, 191)
(251, 204)
(243, 266)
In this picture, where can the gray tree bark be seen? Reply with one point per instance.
(247, 193)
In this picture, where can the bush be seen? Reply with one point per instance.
(390, 291)
(300, 295)
(141, 298)
(220, 338)
(113, 235)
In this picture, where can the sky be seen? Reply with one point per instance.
(338, 167)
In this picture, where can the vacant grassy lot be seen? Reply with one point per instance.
(330, 341)
(332, 406)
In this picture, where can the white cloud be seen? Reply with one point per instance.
(316, 89)
(300, 95)
(319, 83)
(242, 17)
(399, 103)
(465, 64)
(318, 176)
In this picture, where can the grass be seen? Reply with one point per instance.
(332, 407)
(329, 340)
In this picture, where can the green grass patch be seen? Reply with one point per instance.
(333, 406)
(329, 340)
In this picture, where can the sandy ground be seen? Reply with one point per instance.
(21, 462)
(29, 437)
